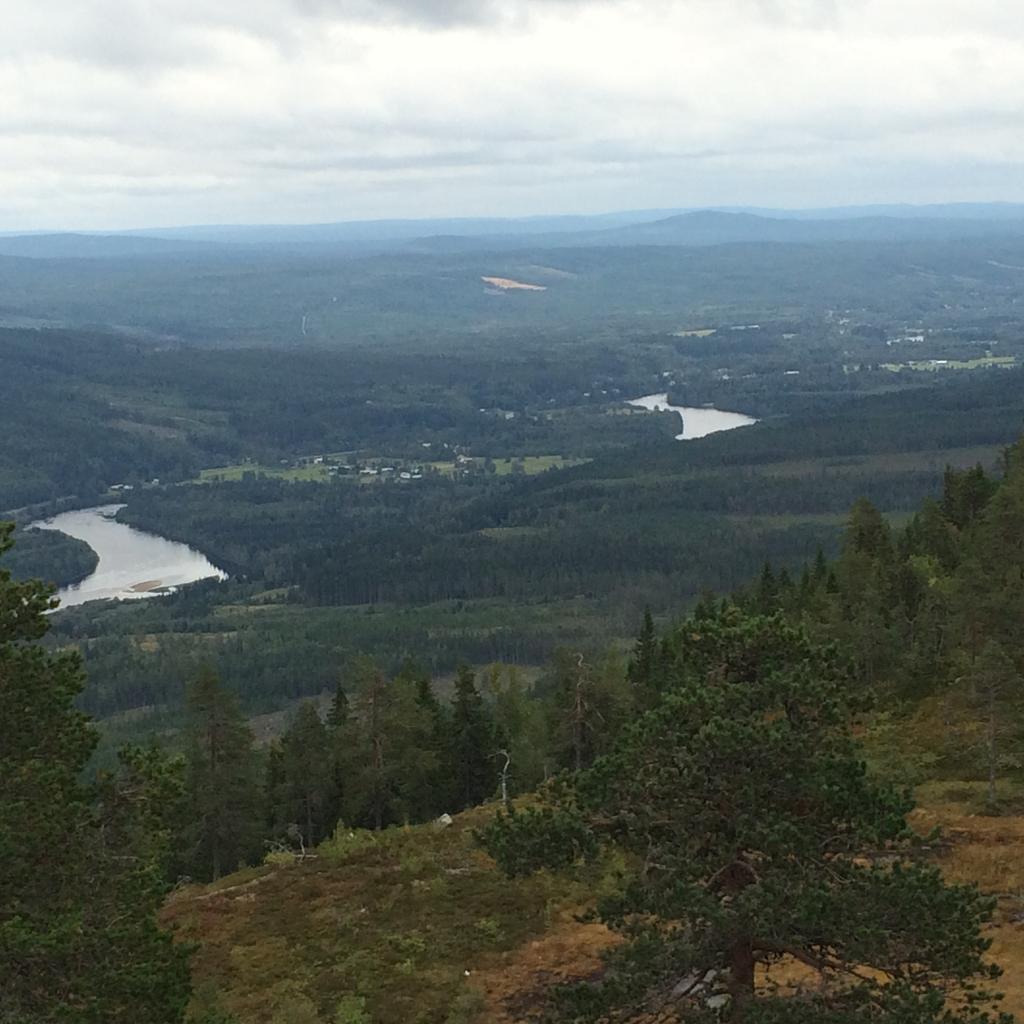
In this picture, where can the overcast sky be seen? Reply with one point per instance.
(117, 113)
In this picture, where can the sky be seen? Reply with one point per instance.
(135, 113)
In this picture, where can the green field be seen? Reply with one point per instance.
(227, 474)
(932, 365)
(531, 464)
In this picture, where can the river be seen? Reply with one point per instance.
(132, 564)
(696, 422)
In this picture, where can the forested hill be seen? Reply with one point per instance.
(958, 413)
(310, 296)
(912, 633)
(506, 567)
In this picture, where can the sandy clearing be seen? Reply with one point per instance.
(508, 285)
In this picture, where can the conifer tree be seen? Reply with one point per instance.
(994, 699)
(520, 729)
(384, 749)
(221, 784)
(471, 745)
(306, 794)
(338, 718)
(425, 792)
(766, 599)
(642, 671)
(338, 715)
(81, 869)
(750, 834)
(589, 704)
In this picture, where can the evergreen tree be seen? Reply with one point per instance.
(81, 870)
(471, 745)
(642, 671)
(748, 825)
(338, 715)
(966, 494)
(385, 750)
(425, 793)
(520, 729)
(989, 584)
(338, 718)
(305, 796)
(221, 786)
(994, 697)
(766, 599)
(589, 704)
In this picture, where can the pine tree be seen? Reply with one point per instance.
(993, 696)
(747, 828)
(81, 870)
(221, 784)
(385, 750)
(590, 701)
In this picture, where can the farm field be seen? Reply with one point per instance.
(935, 365)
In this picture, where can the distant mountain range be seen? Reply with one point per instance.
(943, 222)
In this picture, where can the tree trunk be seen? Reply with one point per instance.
(991, 744)
(741, 981)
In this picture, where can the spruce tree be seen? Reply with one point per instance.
(471, 744)
(81, 869)
(642, 671)
(749, 835)
(305, 794)
(339, 711)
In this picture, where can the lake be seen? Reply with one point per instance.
(132, 563)
(697, 422)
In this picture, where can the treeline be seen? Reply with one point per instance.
(51, 556)
(83, 863)
(81, 410)
(392, 753)
(931, 617)
(927, 616)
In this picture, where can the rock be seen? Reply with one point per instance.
(443, 822)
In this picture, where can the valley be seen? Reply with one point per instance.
(461, 515)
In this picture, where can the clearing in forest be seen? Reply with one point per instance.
(508, 285)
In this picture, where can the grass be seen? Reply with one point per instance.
(531, 464)
(416, 926)
(409, 926)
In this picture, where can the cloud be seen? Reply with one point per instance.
(173, 111)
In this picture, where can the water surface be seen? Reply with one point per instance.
(697, 422)
(132, 563)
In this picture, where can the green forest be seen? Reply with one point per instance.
(511, 706)
(739, 783)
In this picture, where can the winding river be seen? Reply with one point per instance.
(696, 422)
(132, 563)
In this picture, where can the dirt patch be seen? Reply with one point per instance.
(145, 586)
(508, 285)
(514, 987)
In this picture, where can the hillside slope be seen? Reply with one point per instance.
(420, 927)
